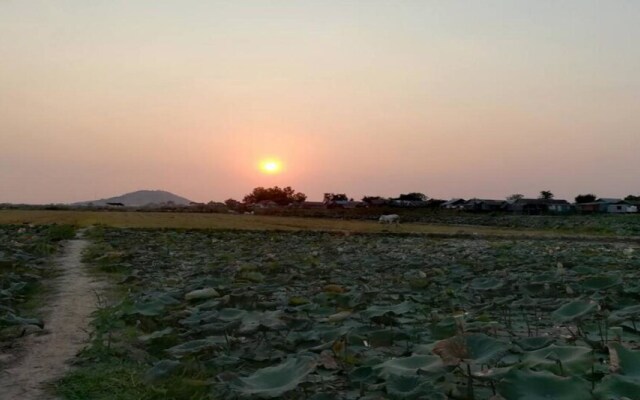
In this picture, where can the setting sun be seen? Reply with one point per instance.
(270, 166)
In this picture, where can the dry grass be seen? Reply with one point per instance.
(247, 222)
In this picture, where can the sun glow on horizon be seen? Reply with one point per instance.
(270, 166)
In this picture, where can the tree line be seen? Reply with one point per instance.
(287, 195)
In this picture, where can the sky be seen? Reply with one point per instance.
(448, 98)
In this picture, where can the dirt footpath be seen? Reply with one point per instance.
(46, 357)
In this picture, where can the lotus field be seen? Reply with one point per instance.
(230, 314)
(24, 255)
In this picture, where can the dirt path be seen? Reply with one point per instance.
(46, 357)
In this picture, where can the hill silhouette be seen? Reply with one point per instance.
(140, 198)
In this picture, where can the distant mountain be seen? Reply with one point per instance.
(140, 198)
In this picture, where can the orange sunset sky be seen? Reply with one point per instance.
(449, 98)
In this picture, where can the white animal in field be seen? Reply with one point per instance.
(389, 219)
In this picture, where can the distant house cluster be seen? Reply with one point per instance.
(521, 206)
(543, 206)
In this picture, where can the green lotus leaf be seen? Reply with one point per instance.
(323, 396)
(444, 329)
(560, 359)
(215, 328)
(151, 308)
(156, 335)
(600, 282)
(484, 349)
(165, 298)
(252, 276)
(384, 337)
(363, 375)
(543, 385)
(222, 361)
(412, 387)
(408, 365)
(535, 343)
(545, 277)
(486, 284)
(397, 309)
(526, 301)
(197, 346)
(490, 374)
(231, 314)
(12, 319)
(161, 370)
(199, 317)
(202, 294)
(573, 310)
(618, 387)
(629, 360)
(583, 270)
(255, 320)
(274, 381)
(625, 313)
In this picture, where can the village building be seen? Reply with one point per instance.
(454, 204)
(608, 206)
(538, 206)
(484, 205)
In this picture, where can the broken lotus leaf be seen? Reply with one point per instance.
(271, 382)
(478, 347)
(543, 385)
(338, 317)
(332, 288)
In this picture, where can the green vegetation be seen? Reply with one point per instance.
(354, 220)
(24, 263)
(237, 314)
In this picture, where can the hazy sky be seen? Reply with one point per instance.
(449, 98)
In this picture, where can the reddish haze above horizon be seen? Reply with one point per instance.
(452, 99)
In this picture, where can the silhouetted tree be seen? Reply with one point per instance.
(299, 197)
(414, 196)
(232, 204)
(333, 197)
(546, 195)
(515, 197)
(372, 199)
(632, 198)
(280, 196)
(585, 198)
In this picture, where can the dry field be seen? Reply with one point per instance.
(249, 222)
